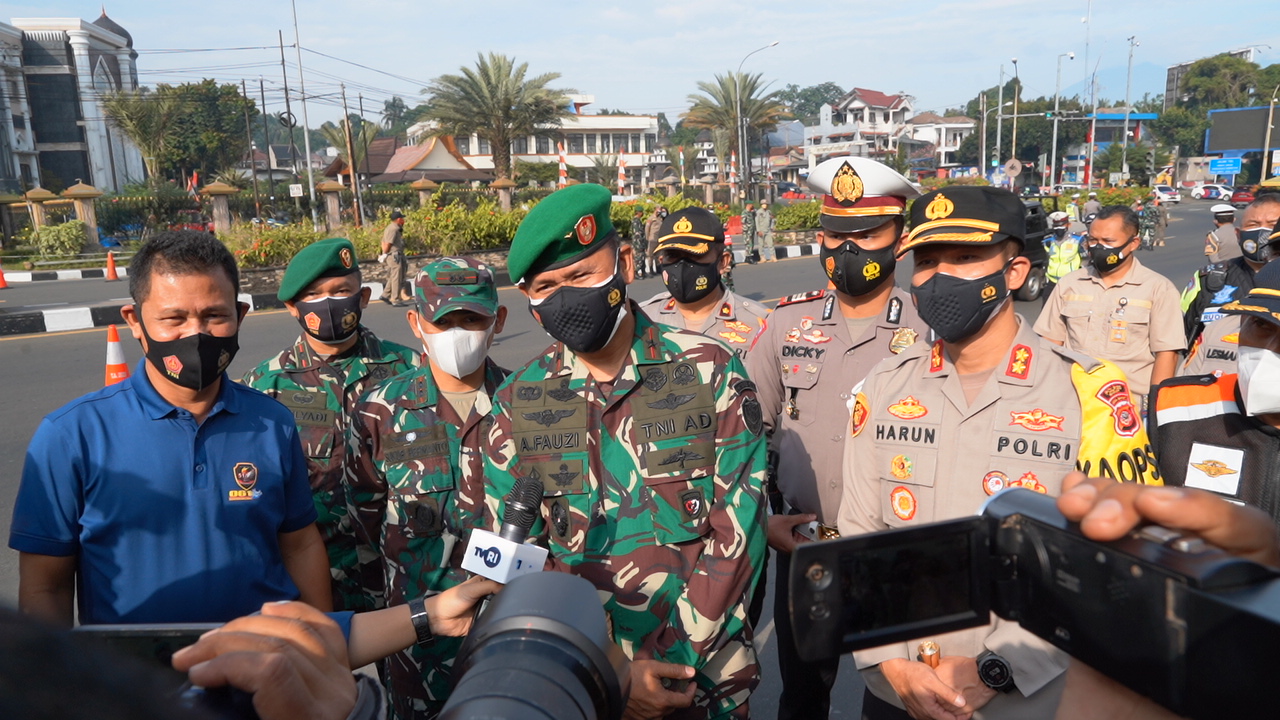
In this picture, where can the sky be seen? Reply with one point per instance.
(647, 57)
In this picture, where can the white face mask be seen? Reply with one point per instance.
(1259, 370)
(456, 351)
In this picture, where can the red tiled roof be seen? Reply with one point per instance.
(874, 98)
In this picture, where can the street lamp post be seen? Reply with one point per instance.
(1266, 145)
(982, 159)
(744, 162)
(1057, 91)
(1000, 118)
(1017, 90)
(1124, 139)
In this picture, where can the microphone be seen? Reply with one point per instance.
(505, 555)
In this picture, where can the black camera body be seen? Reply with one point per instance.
(1167, 615)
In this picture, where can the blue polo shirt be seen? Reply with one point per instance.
(171, 521)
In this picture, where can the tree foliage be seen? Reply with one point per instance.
(146, 118)
(1181, 127)
(804, 103)
(361, 135)
(717, 106)
(496, 101)
(1221, 81)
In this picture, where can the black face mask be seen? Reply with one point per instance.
(855, 270)
(956, 308)
(330, 319)
(1105, 259)
(194, 361)
(1254, 245)
(584, 319)
(688, 281)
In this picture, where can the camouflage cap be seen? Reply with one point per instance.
(331, 257)
(968, 214)
(455, 283)
(568, 225)
(691, 230)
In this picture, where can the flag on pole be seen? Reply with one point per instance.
(733, 174)
(564, 167)
(622, 173)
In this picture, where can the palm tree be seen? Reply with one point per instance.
(717, 106)
(146, 119)
(495, 101)
(604, 170)
(336, 136)
(683, 159)
(393, 112)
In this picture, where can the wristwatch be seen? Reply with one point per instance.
(995, 672)
(421, 621)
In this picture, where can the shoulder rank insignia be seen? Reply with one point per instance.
(726, 310)
(1019, 362)
(829, 308)
(670, 305)
(894, 315)
(861, 411)
(1233, 338)
(903, 338)
(935, 357)
(801, 297)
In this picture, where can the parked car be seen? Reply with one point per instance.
(1066, 188)
(1212, 191)
(1038, 228)
(1242, 197)
(1166, 193)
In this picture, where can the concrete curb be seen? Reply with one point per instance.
(782, 251)
(43, 275)
(82, 318)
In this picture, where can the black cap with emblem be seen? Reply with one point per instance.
(694, 230)
(970, 215)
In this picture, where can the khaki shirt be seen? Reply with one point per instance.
(736, 323)
(805, 359)
(1126, 323)
(393, 235)
(1214, 352)
(920, 453)
(1222, 244)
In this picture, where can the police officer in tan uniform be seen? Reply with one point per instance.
(692, 259)
(817, 346)
(1214, 352)
(989, 405)
(1116, 308)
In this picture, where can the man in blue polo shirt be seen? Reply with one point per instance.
(178, 495)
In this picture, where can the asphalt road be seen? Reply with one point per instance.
(39, 373)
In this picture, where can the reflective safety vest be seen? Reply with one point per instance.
(1064, 258)
(1203, 439)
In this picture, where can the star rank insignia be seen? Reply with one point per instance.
(1019, 362)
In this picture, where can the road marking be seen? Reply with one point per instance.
(46, 305)
(762, 637)
(60, 333)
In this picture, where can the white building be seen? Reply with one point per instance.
(586, 138)
(68, 64)
(944, 133)
(19, 166)
(864, 122)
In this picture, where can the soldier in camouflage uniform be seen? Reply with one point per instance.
(692, 259)
(649, 442)
(416, 462)
(319, 377)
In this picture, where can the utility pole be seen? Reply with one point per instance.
(351, 158)
(1267, 166)
(742, 124)
(306, 122)
(253, 167)
(266, 138)
(364, 137)
(1000, 117)
(1017, 90)
(1093, 123)
(1057, 91)
(291, 123)
(982, 153)
(1124, 140)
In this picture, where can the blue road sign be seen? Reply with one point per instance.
(1225, 166)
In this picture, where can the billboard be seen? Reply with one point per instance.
(1239, 130)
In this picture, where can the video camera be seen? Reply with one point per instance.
(1165, 614)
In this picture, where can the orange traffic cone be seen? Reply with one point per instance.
(117, 367)
(111, 273)
(3, 285)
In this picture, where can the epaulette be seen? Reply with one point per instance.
(1089, 363)
(801, 297)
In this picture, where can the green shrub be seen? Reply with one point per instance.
(796, 216)
(59, 240)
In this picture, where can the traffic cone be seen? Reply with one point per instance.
(117, 367)
(3, 285)
(111, 274)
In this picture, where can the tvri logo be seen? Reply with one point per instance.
(492, 557)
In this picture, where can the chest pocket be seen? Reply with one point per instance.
(316, 421)
(674, 426)
(1128, 331)
(419, 468)
(1031, 447)
(908, 467)
(549, 422)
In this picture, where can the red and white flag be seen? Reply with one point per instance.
(564, 167)
(622, 173)
(733, 174)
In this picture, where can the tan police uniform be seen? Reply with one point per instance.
(919, 452)
(803, 366)
(1222, 244)
(1126, 323)
(737, 322)
(1214, 352)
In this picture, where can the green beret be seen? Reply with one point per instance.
(565, 227)
(331, 257)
